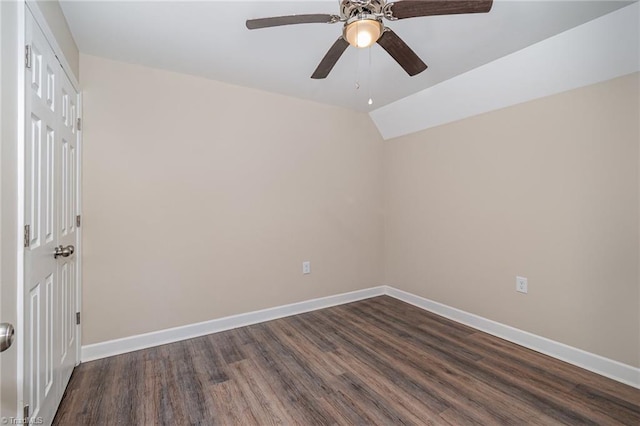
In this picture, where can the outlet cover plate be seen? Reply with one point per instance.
(521, 285)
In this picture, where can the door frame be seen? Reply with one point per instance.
(12, 81)
(1, 413)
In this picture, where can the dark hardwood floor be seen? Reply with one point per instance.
(378, 361)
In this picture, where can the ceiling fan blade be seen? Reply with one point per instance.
(276, 21)
(414, 8)
(330, 59)
(402, 53)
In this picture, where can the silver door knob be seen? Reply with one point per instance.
(7, 334)
(63, 251)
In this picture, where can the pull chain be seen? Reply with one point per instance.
(357, 72)
(370, 102)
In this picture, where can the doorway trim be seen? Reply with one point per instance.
(20, 199)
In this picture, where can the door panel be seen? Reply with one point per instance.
(50, 210)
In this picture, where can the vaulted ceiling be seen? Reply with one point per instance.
(210, 39)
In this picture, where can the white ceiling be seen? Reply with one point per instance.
(209, 39)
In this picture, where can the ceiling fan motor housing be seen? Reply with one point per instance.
(352, 8)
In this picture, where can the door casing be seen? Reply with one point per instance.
(12, 79)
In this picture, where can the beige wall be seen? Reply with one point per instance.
(202, 199)
(60, 29)
(548, 190)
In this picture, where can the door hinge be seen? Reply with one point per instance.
(78, 221)
(27, 56)
(27, 235)
(26, 413)
(79, 125)
(77, 318)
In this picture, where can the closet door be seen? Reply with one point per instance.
(51, 166)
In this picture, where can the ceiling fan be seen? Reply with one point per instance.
(363, 26)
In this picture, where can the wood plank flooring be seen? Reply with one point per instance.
(378, 361)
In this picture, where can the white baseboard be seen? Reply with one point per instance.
(598, 364)
(592, 362)
(176, 334)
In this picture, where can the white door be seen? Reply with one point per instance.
(51, 165)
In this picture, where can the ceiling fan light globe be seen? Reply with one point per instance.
(363, 33)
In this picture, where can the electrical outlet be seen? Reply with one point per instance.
(306, 267)
(521, 285)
